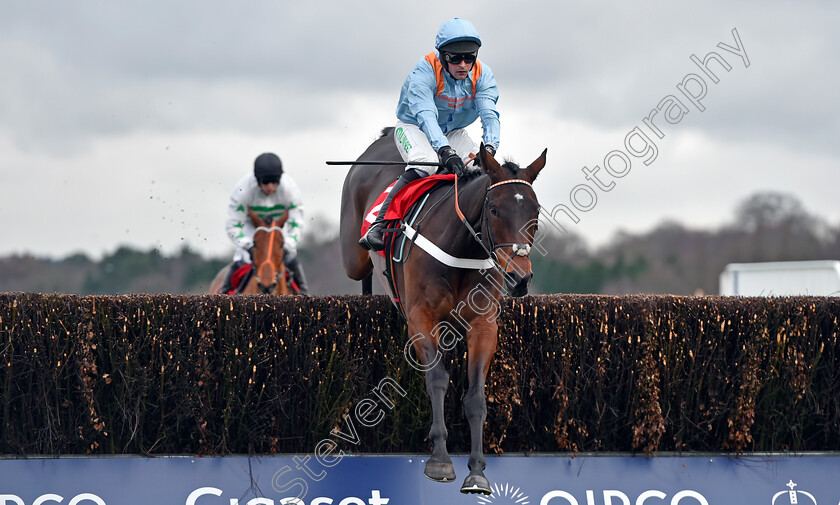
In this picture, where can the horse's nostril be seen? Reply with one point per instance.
(513, 279)
(517, 285)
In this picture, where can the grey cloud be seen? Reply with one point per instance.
(99, 68)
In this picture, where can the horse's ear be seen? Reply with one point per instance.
(255, 219)
(280, 221)
(534, 168)
(489, 164)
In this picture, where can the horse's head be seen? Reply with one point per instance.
(510, 217)
(268, 253)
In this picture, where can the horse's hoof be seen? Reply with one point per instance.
(474, 484)
(439, 472)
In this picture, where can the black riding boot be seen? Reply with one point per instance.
(226, 284)
(374, 238)
(296, 268)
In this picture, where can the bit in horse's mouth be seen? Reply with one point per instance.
(517, 286)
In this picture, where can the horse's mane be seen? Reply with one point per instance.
(385, 131)
(512, 167)
(471, 174)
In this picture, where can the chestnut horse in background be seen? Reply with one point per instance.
(270, 274)
(444, 303)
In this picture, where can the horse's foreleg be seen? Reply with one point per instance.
(481, 345)
(475, 408)
(439, 466)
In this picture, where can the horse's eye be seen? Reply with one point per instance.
(494, 210)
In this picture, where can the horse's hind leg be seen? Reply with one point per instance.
(481, 345)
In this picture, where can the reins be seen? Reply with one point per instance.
(517, 248)
(469, 226)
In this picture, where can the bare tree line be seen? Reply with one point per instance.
(669, 259)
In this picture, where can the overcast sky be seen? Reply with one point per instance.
(129, 123)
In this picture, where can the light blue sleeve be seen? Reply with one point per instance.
(419, 96)
(428, 123)
(486, 96)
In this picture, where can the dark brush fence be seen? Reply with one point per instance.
(257, 374)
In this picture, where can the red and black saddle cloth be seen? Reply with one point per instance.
(402, 201)
(240, 278)
(400, 206)
(291, 282)
(243, 274)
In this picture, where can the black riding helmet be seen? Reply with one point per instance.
(268, 168)
(460, 46)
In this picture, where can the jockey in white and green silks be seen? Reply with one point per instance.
(269, 193)
(447, 91)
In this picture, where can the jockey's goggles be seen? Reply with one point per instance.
(459, 57)
(270, 180)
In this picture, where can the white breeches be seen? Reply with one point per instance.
(414, 146)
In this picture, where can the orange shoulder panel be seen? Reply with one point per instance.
(438, 68)
(476, 74)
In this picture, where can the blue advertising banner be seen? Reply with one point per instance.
(398, 480)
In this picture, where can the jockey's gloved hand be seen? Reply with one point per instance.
(490, 150)
(450, 159)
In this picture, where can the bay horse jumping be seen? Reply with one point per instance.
(441, 303)
(270, 272)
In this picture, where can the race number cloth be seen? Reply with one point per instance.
(404, 199)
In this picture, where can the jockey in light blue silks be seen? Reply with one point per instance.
(447, 91)
(269, 193)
